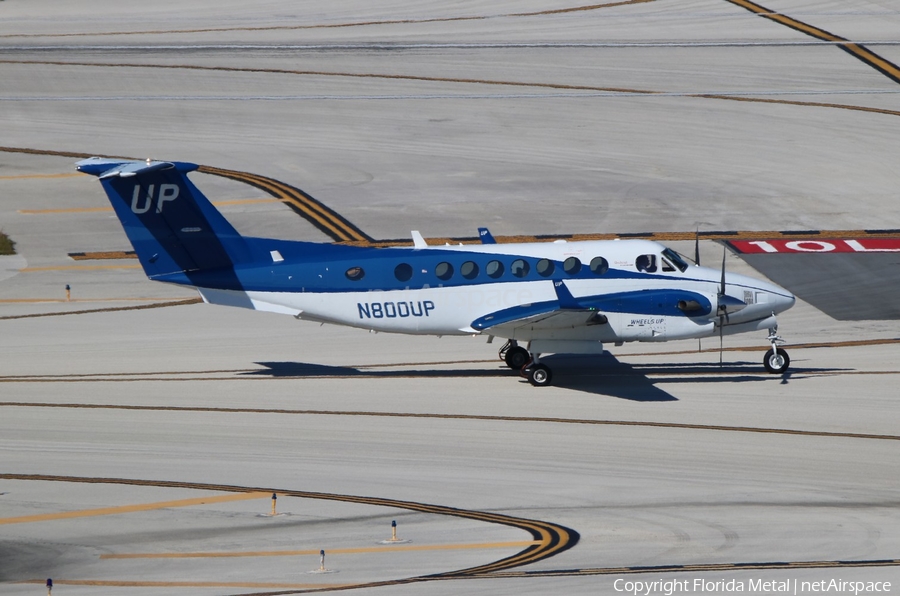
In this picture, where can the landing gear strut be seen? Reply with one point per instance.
(776, 359)
(518, 358)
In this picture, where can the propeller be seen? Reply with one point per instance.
(726, 304)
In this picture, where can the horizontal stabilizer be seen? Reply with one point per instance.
(104, 167)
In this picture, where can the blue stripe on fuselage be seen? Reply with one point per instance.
(316, 267)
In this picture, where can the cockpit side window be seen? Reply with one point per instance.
(646, 263)
(672, 258)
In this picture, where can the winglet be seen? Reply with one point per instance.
(418, 241)
(486, 237)
(566, 300)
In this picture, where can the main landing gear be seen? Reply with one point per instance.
(518, 358)
(776, 359)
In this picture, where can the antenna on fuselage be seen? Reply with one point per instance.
(418, 241)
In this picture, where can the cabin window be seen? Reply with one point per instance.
(599, 265)
(645, 263)
(545, 267)
(572, 265)
(355, 273)
(403, 272)
(469, 270)
(444, 270)
(519, 268)
(674, 260)
(494, 269)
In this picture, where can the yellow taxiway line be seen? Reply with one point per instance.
(339, 551)
(132, 508)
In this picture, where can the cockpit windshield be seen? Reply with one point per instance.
(676, 259)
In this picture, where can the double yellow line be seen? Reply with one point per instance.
(325, 219)
(548, 539)
(885, 67)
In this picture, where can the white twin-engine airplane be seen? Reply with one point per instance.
(555, 298)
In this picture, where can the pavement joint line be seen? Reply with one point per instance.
(76, 268)
(185, 584)
(579, 8)
(386, 548)
(88, 300)
(132, 508)
(167, 304)
(30, 176)
(462, 417)
(746, 97)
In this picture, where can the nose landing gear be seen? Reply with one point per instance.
(776, 359)
(539, 375)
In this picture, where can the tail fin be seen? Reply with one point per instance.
(171, 225)
(486, 237)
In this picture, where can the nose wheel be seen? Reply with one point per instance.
(776, 359)
(539, 375)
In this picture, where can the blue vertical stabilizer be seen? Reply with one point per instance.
(172, 226)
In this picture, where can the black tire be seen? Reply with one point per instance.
(517, 357)
(539, 375)
(776, 362)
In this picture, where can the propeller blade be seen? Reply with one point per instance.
(721, 349)
(722, 285)
(697, 247)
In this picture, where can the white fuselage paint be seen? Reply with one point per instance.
(451, 310)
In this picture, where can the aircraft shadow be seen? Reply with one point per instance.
(309, 370)
(598, 375)
(604, 375)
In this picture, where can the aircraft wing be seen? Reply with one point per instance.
(568, 312)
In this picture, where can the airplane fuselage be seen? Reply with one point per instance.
(444, 290)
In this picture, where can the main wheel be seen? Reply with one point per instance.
(776, 362)
(517, 357)
(539, 375)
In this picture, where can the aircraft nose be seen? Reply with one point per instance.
(780, 299)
